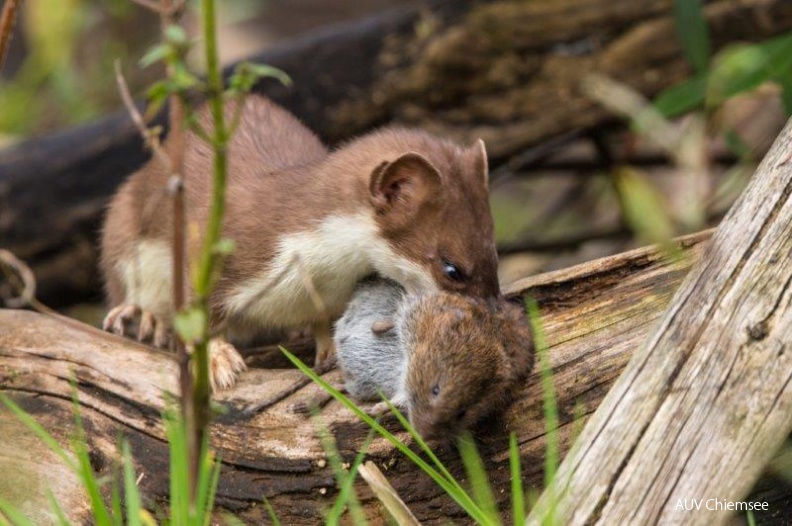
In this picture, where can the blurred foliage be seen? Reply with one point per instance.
(65, 76)
(68, 48)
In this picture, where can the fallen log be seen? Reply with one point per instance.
(703, 406)
(595, 315)
(505, 71)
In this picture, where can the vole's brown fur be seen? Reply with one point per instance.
(467, 360)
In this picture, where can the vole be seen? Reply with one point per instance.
(448, 359)
(402, 203)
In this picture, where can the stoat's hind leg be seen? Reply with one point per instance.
(132, 321)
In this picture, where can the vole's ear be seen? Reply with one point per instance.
(380, 327)
(400, 187)
(478, 152)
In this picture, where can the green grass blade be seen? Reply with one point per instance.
(518, 493)
(346, 491)
(423, 445)
(56, 508)
(131, 491)
(179, 485)
(115, 503)
(692, 32)
(40, 432)
(10, 515)
(90, 483)
(208, 480)
(271, 512)
(452, 488)
(550, 404)
(479, 482)
(749, 516)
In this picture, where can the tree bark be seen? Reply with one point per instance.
(506, 71)
(700, 409)
(595, 315)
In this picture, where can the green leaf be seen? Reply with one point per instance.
(175, 34)
(158, 92)
(265, 71)
(741, 68)
(182, 79)
(784, 80)
(737, 146)
(682, 98)
(155, 54)
(246, 75)
(190, 324)
(692, 32)
(225, 247)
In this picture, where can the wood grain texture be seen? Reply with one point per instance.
(704, 405)
(595, 315)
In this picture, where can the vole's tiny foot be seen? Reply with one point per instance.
(120, 318)
(225, 364)
(317, 402)
(377, 410)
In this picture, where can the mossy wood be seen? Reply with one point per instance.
(506, 71)
(595, 315)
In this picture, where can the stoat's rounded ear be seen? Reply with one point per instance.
(479, 154)
(400, 187)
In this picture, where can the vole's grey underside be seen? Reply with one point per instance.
(372, 360)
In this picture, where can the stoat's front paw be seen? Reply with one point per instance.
(123, 319)
(225, 364)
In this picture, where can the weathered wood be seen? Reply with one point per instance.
(595, 315)
(506, 71)
(704, 405)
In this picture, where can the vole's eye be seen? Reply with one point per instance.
(452, 271)
(435, 389)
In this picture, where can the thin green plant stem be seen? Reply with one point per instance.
(208, 258)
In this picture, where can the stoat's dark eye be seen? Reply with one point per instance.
(452, 271)
(435, 389)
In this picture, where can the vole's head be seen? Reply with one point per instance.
(466, 360)
(431, 204)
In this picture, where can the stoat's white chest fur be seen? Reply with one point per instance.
(334, 256)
